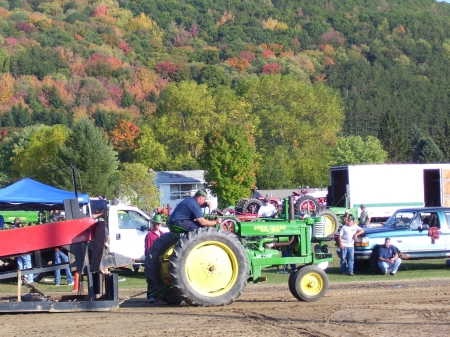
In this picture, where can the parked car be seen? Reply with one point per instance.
(408, 231)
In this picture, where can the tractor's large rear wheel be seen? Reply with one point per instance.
(250, 206)
(331, 223)
(157, 266)
(309, 283)
(209, 267)
(306, 205)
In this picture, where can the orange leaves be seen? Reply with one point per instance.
(124, 134)
(238, 63)
(6, 87)
(144, 82)
(4, 13)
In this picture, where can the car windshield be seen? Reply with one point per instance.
(400, 219)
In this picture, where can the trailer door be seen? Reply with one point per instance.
(445, 187)
(432, 195)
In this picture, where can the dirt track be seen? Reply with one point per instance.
(387, 308)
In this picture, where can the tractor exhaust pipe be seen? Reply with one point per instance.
(291, 208)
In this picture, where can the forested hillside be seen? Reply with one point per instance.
(303, 82)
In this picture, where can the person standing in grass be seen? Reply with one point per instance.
(346, 241)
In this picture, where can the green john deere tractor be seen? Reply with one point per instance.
(211, 266)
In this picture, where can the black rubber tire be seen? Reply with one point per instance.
(307, 200)
(291, 284)
(228, 224)
(308, 276)
(196, 274)
(332, 222)
(362, 265)
(153, 271)
(251, 206)
(374, 260)
(240, 205)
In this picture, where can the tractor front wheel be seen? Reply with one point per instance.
(209, 267)
(331, 223)
(308, 284)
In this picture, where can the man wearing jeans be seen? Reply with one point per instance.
(347, 236)
(388, 258)
(61, 257)
(24, 262)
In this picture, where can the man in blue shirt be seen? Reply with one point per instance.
(388, 258)
(188, 213)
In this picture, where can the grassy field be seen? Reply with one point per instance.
(131, 280)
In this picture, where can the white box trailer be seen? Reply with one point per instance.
(383, 188)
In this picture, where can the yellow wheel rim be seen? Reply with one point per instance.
(164, 260)
(211, 268)
(311, 284)
(330, 225)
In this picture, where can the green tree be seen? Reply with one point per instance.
(298, 123)
(12, 146)
(22, 116)
(150, 152)
(392, 138)
(428, 152)
(414, 137)
(39, 157)
(187, 113)
(137, 186)
(229, 159)
(94, 159)
(356, 150)
(443, 139)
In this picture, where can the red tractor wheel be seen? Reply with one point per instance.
(228, 224)
(306, 205)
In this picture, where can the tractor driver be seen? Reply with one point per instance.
(188, 213)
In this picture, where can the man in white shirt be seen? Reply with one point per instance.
(347, 236)
(267, 210)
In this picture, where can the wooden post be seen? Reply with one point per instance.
(19, 285)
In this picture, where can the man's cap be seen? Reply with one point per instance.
(17, 219)
(363, 206)
(346, 211)
(202, 193)
(157, 219)
(351, 218)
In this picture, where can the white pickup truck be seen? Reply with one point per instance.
(127, 226)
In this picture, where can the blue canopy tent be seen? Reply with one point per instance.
(28, 194)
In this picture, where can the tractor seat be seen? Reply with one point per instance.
(177, 229)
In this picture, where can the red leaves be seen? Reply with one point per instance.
(271, 68)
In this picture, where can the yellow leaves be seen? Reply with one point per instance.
(39, 20)
(141, 22)
(79, 112)
(273, 24)
(6, 87)
(226, 16)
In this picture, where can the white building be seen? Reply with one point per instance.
(178, 185)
